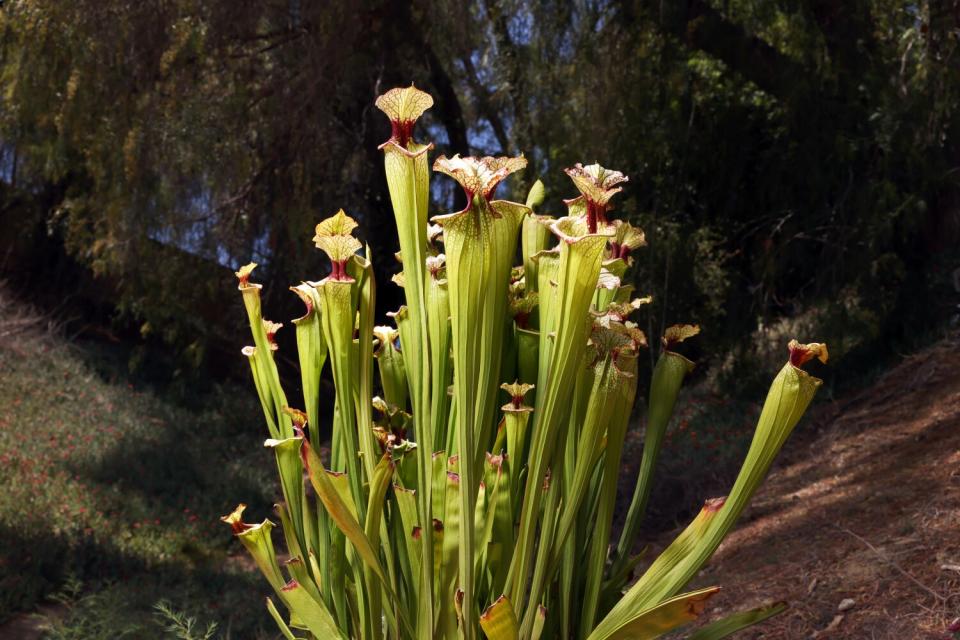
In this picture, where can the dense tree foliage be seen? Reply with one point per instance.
(793, 162)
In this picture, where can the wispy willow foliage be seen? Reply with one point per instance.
(476, 494)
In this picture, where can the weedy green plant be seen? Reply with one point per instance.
(476, 494)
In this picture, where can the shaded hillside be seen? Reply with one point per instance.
(112, 492)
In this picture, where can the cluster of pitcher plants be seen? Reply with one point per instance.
(476, 442)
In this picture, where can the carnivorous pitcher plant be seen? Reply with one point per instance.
(473, 462)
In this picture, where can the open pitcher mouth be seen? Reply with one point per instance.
(479, 176)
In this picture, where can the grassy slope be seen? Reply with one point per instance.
(122, 490)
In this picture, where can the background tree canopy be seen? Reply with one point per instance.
(796, 164)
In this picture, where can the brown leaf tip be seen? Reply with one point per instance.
(243, 275)
(488, 612)
(235, 520)
(695, 606)
(678, 333)
(299, 418)
(303, 292)
(712, 505)
(271, 328)
(800, 354)
(495, 461)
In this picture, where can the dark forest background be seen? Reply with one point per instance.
(795, 164)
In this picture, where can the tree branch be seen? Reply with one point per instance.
(484, 105)
(702, 27)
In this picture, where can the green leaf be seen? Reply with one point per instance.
(600, 408)
(480, 242)
(258, 542)
(410, 527)
(341, 514)
(625, 385)
(534, 238)
(390, 363)
(311, 613)
(441, 364)
(536, 195)
(338, 314)
(312, 353)
(539, 622)
(495, 519)
(291, 481)
(668, 376)
(284, 629)
(380, 482)
(737, 622)
(408, 180)
(361, 268)
(658, 620)
(298, 572)
(790, 394)
(449, 558)
(577, 274)
(265, 373)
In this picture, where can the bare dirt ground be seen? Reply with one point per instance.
(867, 512)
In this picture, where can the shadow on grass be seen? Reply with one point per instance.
(179, 468)
(35, 564)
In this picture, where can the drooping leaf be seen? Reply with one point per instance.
(729, 625)
(658, 620)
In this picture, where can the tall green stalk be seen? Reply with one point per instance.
(408, 180)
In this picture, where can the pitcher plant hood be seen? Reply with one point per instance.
(334, 237)
(597, 186)
(404, 106)
(479, 176)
